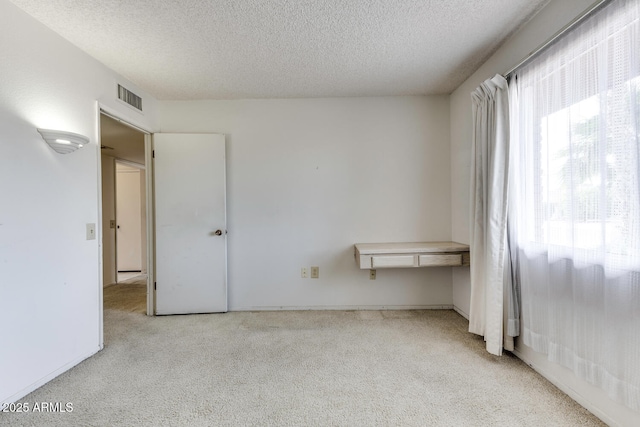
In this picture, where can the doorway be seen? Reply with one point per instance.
(124, 215)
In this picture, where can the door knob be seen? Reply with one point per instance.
(218, 233)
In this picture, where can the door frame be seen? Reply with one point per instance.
(148, 154)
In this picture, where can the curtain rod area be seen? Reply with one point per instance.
(584, 15)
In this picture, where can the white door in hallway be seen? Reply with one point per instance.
(190, 223)
(128, 218)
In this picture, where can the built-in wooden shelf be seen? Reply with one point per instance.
(371, 256)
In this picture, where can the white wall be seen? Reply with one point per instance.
(49, 273)
(308, 178)
(143, 220)
(544, 25)
(109, 274)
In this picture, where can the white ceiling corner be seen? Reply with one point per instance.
(221, 49)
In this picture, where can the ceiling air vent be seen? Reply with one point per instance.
(129, 97)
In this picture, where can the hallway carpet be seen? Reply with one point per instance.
(129, 295)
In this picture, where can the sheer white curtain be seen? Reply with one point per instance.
(575, 200)
(489, 184)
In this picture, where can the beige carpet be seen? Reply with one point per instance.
(129, 295)
(299, 368)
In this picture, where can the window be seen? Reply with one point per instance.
(574, 200)
(580, 129)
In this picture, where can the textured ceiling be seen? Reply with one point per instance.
(221, 49)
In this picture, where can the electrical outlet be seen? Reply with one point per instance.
(372, 275)
(315, 272)
(304, 273)
(91, 231)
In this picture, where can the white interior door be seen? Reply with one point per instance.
(190, 219)
(128, 218)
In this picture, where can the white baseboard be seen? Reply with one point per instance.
(572, 393)
(342, 307)
(42, 381)
(460, 312)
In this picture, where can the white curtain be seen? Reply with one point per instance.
(489, 185)
(575, 200)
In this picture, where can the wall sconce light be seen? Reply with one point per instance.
(63, 142)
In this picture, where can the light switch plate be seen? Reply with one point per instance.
(91, 231)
